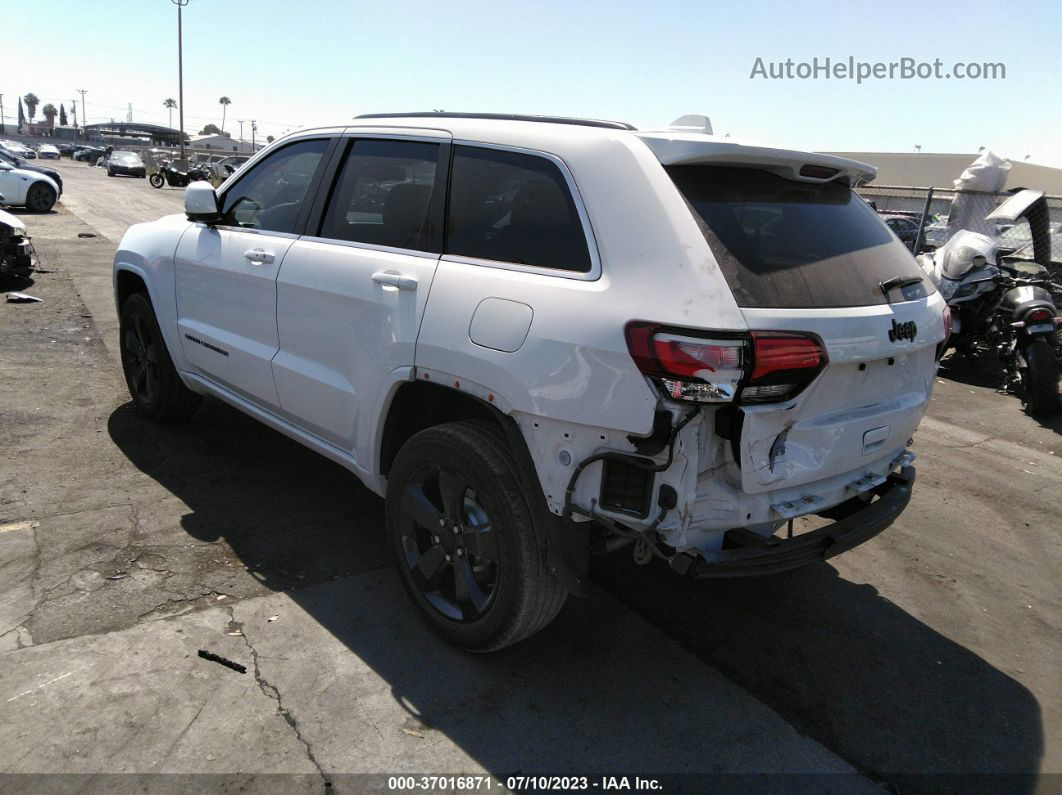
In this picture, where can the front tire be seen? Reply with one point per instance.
(464, 539)
(157, 391)
(156, 180)
(1040, 378)
(40, 197)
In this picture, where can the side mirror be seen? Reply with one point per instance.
(201, 203)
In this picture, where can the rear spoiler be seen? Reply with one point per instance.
(679, 149)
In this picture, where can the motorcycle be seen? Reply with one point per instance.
(990, 308)
(1025, 332)
(169, 175)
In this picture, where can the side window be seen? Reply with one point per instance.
(513, 207)
(383, 194)
(270, 195)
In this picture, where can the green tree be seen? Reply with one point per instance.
(49, 112)
(62, 115)
(31, 104)
(224, 102)
(270, 139)
(210, 129)
(170, 104)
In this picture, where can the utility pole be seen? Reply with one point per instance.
(84, 115)
(254, 129)
(3, 130)
(241, 128)
(180, 68)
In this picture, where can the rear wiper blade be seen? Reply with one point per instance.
(898, 281)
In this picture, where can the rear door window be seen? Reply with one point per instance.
(787, 244)
(514, 207)
(383, 194)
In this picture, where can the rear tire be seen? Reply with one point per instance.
(464, 539)
(40, 197)
(157, 390)
(1040, 378)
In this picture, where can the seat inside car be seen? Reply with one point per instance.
(404, 213)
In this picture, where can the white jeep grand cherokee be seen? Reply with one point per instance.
(541, 337)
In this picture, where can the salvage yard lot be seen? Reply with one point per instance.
(125, 548)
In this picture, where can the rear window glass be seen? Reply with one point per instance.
(512, 207)
(791, 244)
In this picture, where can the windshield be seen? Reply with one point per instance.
(125, 157)
(791, 244)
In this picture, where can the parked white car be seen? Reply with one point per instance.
(30, 189)
(48, 152)
(543, 337)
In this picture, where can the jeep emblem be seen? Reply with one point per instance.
(903, 331)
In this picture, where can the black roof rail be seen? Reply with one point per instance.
(611, 125)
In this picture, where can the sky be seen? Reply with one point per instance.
(288, 64)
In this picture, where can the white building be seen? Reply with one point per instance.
(222, 144)
(940, 170)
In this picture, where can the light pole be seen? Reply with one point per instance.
(3, 129)
(180, 69)
(254, 129)
(84, 117)
(241, 128)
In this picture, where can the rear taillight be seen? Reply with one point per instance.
(689, 366)
(783, 363)
(711, 367)
(1040, 315)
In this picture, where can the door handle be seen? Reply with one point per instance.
(259, 256)
(392, 279)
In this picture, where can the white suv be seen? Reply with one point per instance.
(541, 337)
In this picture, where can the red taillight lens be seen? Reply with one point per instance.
(783, 364)
(1040, 315)
(692, 358)
(688, 364)
(776, 353)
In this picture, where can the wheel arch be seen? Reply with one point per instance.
(132, 273)
(127, 282)
(418, 405)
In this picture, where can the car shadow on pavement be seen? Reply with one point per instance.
(845, 666)
(851, 669)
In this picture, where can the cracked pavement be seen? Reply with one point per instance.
(125, 548)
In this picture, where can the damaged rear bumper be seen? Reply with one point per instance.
(747, 555)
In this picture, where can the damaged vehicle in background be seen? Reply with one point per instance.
(655, 340)
(12, 159)
(27, 188)
(16, 251)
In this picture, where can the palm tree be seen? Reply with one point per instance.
(170, 104)
(224, 102)
(31, 104)
(49, 112)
